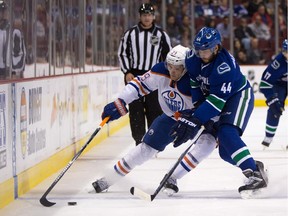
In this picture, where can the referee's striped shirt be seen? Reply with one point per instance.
(140, 48)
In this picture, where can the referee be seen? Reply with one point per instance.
(141, 47)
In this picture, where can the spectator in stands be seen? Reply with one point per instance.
(185, 30)
(224, 28)
(186, 38)
(223, 9)
(283, 5)
(265, 17)
(18, 50)
(41, 34)
(244, 33)
(5, 40)
(282, 23)
(254, 54)
(253, 6)
(185, 7)
(173, 31)
(240, 10)
(260, 29)
(210, 22)
(172, 8)
(204, 8)
(241, 57)
(238, 46)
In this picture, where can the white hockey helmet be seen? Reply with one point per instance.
(176, 57)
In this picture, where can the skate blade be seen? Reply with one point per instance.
(251, 194)
(90, 190)
(168, 191)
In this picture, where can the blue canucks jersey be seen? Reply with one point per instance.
(274, 75)
(217, 81)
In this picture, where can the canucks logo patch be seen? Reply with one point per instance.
(173, 100)
(223, 68)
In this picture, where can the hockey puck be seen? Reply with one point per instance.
(72, 203)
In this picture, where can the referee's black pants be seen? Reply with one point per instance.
(145, 108)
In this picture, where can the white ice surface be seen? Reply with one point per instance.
(209, 190)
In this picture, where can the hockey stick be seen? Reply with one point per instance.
(148, 197)
(43, 200)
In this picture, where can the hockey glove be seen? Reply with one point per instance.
(275, 106)
(115, 110)
(183, 113)
(211, 128)
(186, 128)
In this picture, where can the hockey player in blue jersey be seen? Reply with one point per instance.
(174, 94)
(274, 87)
(216, 78)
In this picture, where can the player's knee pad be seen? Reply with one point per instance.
(139, 155)
(227, 133)
(203, 147)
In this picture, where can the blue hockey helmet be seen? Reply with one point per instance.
(207, 38)
(285, 46)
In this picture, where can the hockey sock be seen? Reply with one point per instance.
(232, 147)
(201, 150)
(271, 125)
(137, 156)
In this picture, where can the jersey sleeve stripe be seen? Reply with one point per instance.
(265, 85)
(136, 87)
(140, 86)
(143, 85)
(194, 84)
(216, 102)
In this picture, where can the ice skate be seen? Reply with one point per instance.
(101, 185)
(257, 180)
(170, 187)
(266, 142)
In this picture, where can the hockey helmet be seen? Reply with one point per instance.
(3, 5)
(177, 55)
(207, 38)
(146, 8)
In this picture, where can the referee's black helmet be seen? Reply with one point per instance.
(3, 5)
(146, 8)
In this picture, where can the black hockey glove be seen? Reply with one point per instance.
(211, 128)
(186, 128)
(275, 106)
(115, 110)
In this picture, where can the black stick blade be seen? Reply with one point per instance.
(45, 202)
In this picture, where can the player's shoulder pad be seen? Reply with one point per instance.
(160, 68)
(225, 62)
(183, 85)
(192, 62)
(190, 54)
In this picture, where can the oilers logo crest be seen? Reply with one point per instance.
(173, 100)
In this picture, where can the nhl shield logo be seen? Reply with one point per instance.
(154, 40)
